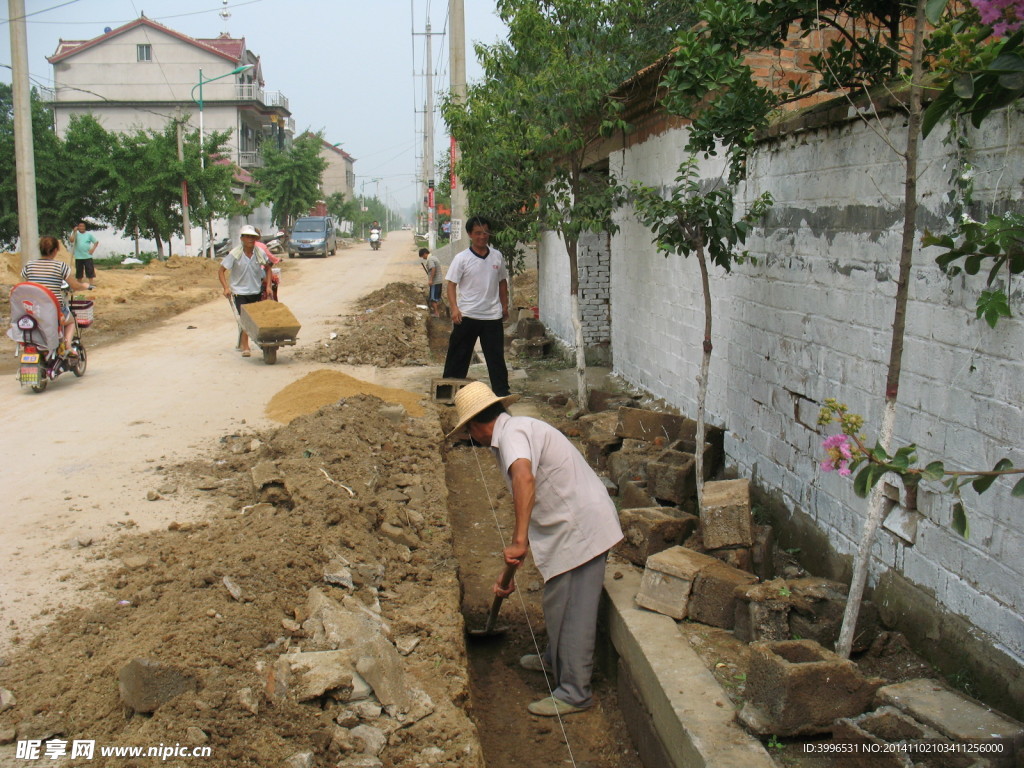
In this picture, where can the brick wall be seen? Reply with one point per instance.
(811, 319)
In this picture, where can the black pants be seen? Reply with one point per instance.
(492, 341)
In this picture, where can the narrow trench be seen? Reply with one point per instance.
(480, 512)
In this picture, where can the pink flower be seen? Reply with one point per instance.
(1003, 16)
(839, 454)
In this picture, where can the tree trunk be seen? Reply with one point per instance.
(876, 504)
(572, 248)
(702, 380)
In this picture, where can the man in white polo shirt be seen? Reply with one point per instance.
(563, 513)
(478, 297)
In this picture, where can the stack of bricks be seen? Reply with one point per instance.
(595, 290)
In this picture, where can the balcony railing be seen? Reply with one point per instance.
(252, 92)
(250, 159)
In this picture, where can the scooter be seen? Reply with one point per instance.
(375, 239)
(35, 327)
(276, 243)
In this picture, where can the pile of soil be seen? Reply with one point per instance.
(222, 599)
(128, 300)
(388, 331)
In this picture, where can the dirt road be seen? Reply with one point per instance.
(81, 458)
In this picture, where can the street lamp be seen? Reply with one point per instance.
(199, 103)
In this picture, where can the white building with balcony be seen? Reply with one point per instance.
(141, 75)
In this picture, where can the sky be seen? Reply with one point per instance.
(351, 68)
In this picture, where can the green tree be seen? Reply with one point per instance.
(528, 129)
(146, 175)
(290, 179)
(51, 176)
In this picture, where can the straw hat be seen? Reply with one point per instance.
(472, 399)
(248, 229)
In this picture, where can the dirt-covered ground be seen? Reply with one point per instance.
(355, 498)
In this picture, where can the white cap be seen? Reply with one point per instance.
(249, 229)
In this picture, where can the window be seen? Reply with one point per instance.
(144, 52)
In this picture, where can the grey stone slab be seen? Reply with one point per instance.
(692, 716)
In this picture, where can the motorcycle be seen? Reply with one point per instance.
(35, 327)
(375, 239)
(276, 243)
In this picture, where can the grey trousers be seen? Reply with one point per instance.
(571, 600)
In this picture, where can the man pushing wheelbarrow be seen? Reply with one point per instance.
(244, 277)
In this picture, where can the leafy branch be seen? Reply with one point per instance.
(848, 452)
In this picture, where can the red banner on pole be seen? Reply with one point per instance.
(451, 163)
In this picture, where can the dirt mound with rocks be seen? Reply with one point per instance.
(387, 332)
(340, 516)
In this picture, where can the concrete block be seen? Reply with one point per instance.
(628, 465)
(530, 328)
(634, 495)
(649, 531)
(599, 439)
(762, 612)
(145, 685)
(818, 607)
(533, 349)
(725, 518)
(958, 718)
(797, 687)
(713, 598)
(763, 551)
(737, 557)
(672, 476)
(647, 425)
(712, 454)
(444, 390)
(668, 579)
(882, 738)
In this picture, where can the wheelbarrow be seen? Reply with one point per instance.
(268, 337)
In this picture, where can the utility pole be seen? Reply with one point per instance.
(186, 224)
(428, 145)
(457, 64)
(24, 152)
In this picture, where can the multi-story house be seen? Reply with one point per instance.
(339, 175)
(143, 74)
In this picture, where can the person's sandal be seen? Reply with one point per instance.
(246, 353)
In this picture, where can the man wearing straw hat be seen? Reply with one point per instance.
(563, 513)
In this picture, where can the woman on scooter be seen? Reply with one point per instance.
(53, 274)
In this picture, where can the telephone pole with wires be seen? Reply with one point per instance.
(24, 154)
(427, 167)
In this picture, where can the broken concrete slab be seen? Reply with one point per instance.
(308, 675)
(725, 518)
(145, 684)
(958, 718)
(599, 439)
(380, 664)
(649, 531)
(668, 580)
(797, 687)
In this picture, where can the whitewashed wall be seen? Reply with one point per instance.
(812, 318)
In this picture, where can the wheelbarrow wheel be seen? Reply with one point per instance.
(270, 355)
